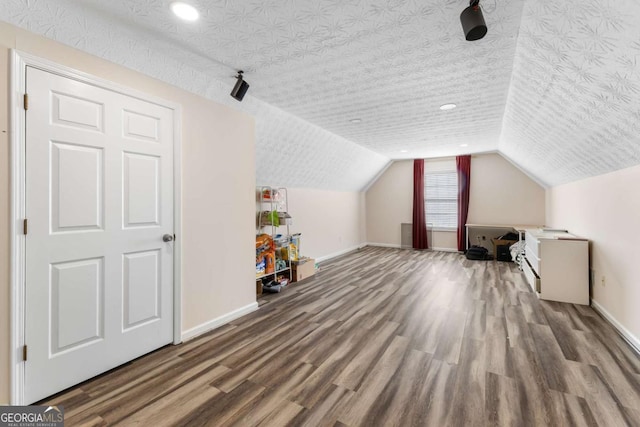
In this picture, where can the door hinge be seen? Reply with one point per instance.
(25, 226)
(24, 353)
(26, 101)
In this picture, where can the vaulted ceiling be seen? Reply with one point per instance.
(553, 86)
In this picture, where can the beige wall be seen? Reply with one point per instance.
(330, 221)
(389, 202)
(606, 210)
(500, 194)
(218, 164)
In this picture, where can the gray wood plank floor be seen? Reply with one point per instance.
(383, 337)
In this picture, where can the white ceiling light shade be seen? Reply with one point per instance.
(185, 11)
(445, 107)
(404, 151)
(464, 145)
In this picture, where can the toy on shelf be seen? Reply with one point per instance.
(265, 255)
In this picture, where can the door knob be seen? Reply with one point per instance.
(167, 238)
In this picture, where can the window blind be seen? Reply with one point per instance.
(441, 199)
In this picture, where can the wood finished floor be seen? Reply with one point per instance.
(383, 337)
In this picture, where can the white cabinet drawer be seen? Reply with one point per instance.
(566, 265)
(533, 260)
(533, 244)
(532, 279)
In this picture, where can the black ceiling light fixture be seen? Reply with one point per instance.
(472, 21)
(241, 87)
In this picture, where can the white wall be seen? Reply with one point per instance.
(330, 221)
(606, 210)
(218, 164)
(4, 226)
(500, 194)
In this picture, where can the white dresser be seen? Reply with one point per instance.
(557, 265)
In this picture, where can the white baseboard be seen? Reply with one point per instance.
(340, 253)
(628, 336)
(218, 321)
(385, 245)
(396, 246)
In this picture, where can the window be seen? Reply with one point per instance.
(441, 199)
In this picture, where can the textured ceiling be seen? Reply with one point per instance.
(289, 150)
(554, 85)
(390, 63)
(574, 104)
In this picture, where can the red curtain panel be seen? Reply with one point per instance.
(463, 166)
(419, 221)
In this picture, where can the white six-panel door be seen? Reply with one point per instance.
(99, 199)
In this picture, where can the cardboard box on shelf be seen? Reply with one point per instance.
(302, 269)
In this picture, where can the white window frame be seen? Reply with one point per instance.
(428, 220)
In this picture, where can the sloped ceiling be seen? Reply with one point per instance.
(553, 86)
(574, 103)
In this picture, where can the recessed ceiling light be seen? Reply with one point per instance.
(356, 120)
(184, 11)
(446, 107)
(464, 145)
(404, 151)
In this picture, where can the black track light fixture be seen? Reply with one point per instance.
(472, 21)
(241, 87)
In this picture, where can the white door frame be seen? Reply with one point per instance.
(19, 63)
